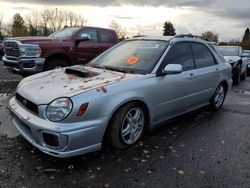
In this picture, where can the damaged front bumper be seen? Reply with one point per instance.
(59, 140)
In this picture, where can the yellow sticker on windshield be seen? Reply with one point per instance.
(133, 60)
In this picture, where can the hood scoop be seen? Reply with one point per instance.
(81, 72)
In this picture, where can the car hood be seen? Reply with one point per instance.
(45, 87)
(232, 59)
(36, 40)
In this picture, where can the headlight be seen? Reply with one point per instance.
(59, 109)
(28, 50)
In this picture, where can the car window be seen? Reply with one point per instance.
(91, 32)
(181, 53)
(202, 56)
(216, 50)
(106, 36)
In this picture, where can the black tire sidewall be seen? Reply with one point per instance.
(212, 102)
(116, 125)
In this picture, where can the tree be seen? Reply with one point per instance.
(18, 26)
(210, 36)
(168, 29)
(1, 26)
(246, 40)
(32, 20)
(121, 31)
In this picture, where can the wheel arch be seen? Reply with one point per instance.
(60, 56)
(145, 108)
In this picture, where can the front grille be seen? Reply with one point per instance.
(11, 49)
(27, 104)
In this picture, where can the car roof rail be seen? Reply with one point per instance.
(191, 36)
(137, 36)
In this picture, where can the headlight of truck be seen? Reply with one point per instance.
(30, 50)
(59, 109)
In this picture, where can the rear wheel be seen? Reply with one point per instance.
(127, 126)
(243, 77)
(55, 64)
(236, 75)
(218, 97)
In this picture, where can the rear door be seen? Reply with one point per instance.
(207, 72)
(86, 50)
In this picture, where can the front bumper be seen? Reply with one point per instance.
(74, 138)
(30, 66)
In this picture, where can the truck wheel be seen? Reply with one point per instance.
(218, 97)
(54, 64)
(127, 126)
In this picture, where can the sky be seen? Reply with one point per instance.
(227, 18)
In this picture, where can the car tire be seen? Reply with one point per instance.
(54, 64)
(218, 98)
(236, 77)
(127, 125)
(243, 77)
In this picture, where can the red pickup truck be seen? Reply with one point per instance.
(67, 47)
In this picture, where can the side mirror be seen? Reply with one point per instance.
(173, 69)
(83, 37)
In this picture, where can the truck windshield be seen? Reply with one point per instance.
(67, 32)
(229, 50)
(135, 56)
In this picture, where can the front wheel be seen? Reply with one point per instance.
(218, 97)
(127, 126)
(55, 64)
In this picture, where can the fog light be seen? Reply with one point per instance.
(28, 65)
(51, 139)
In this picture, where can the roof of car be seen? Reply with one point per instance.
(168, 38)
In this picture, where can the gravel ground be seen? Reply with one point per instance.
(8, 81)
(201, 149)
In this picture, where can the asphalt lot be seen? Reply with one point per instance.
(202, 149)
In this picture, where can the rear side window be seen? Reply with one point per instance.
(181, 53)
(202, 56)
(106, 36)
(91, 32)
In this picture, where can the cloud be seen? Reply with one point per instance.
(170, 3)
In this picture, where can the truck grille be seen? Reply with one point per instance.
(27, 104)
(11, 49)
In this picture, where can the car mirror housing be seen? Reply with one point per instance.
(173, 69)
(83, 37)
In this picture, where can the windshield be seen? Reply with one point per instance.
(229, 50)
(67, 32)
(137, 56)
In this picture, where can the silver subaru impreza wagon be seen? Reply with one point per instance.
(134, 86)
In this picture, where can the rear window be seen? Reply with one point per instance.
(106, 36)
(202, 56)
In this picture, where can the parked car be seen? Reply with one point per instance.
(246, 54)
(133, 87)
(233, 54)
(1, 50)
(67, 47)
